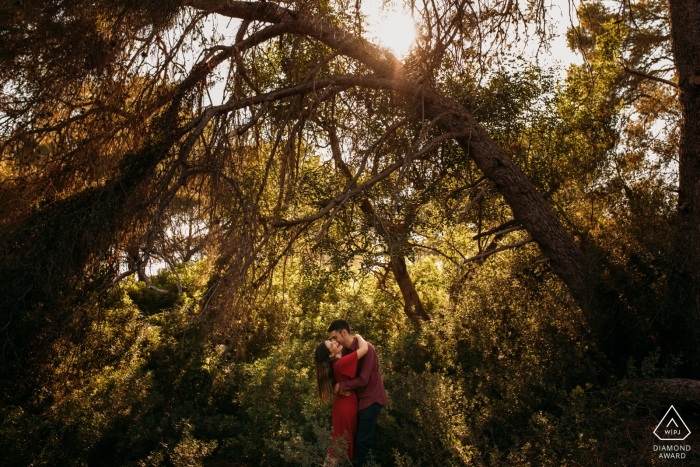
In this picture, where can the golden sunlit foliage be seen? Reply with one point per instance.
(190, 191)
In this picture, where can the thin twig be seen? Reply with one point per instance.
(497, 233)
(486, 254)
(341, 199)
(647, 76)
(429, 248)
(474, 201)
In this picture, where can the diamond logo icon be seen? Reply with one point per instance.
(672, 427)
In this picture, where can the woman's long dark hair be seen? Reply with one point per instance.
(324, 372)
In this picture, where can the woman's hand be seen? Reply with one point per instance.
(363, 346)
(336, 390)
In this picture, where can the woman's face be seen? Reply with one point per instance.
(334, 348)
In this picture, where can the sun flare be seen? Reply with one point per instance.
(394, 30)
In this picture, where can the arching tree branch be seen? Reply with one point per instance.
(528, 206)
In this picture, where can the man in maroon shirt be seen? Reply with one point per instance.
(367, 384)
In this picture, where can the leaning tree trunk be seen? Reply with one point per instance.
(685, 281)
(528, 206)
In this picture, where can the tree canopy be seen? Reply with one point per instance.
(463, 204)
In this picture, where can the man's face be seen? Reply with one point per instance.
(342, 337)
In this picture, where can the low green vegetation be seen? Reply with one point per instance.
(504, 376)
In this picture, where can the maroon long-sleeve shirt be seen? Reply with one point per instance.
(367, 382)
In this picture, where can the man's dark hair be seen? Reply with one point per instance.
(338, 325)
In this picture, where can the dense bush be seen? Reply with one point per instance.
(503, 376)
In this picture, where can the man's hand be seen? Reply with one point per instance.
(336, 389)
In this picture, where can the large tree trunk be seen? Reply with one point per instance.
(685, 286)
(685, 34)
(528, 206)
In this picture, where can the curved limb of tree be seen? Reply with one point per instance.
(528, 206)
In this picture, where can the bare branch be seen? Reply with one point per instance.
(474, 201)
(499, 231)
(342, 198)
(147, 279)
(342, 166)
(435, 250)
(303, 23)
(338, 80)
(486, 254)
(261, 111)
(646, 75)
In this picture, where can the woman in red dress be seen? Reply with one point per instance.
(332, 368)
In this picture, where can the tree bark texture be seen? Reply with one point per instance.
(685, 286)
(413, 307)
(528, 206)
(685, 34)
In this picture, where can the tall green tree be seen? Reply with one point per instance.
(104, 146)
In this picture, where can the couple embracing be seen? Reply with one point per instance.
(347, 370)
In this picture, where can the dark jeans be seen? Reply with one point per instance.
(366, 419)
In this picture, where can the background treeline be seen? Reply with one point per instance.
(313, 187)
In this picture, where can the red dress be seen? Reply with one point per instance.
(344, 411)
